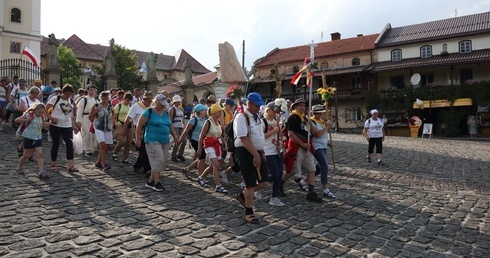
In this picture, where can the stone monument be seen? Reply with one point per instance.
(53, 68)
(188, 85)
(229, 67)
(152, 78)
(110, 66)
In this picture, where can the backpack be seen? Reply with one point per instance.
(24, 125)
(230, 133)
(189, 135)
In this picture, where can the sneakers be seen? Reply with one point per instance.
(302, 184)
(20, 171)
(150, 184)
(380, 163)
(276, 202)
(88, 155)
(106, 167)
(224, 177)
(221, 189)
(114, 157)
(99, 165)
(258, 195)
(126, 161)
(242, 185)
(368, 159)
(328, 194)
(181, 158)
(202, 182)
(43, 176)
(174, 159)
(312, 197)
(158, 187)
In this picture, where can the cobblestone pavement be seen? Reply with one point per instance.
(430, 200)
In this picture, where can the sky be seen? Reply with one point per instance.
(198, 26)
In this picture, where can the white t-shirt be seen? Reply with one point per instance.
(63, 111)
(256, 129)
(27, 102)
(3, 94)
(135, 112)
(270, 147)
(20, 93)
(91, 101)
(374, 128)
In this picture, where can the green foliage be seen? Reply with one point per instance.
(126, 69)
(451, 119)
(70, 65)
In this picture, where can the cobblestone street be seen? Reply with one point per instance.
(430, 200)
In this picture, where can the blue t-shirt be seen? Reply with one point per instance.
(198, 129)
(157, 127)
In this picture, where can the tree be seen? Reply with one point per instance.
(70, 67)
(126, 69)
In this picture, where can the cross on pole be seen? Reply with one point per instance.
(312, 50)
(308, 74)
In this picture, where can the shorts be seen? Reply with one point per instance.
(157, 155)
(195, 146)
(3, 103)
(32, 144)
(211, 153)
(249, 172)
(305, 162)
(105, 137)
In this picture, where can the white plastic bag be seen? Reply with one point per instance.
(78, 143)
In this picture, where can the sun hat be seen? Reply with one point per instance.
(176, 98)
(255, 98)
(148, 95)
(298, 101)
(318, 109)
(57, 89)
(200, 107)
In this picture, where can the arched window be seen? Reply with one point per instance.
(324, 65)
(396, 55)
(15, 15)
(444, 47)
(356, 61)
(465, 46)
(425, 51)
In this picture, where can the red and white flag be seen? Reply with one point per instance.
(32, 56)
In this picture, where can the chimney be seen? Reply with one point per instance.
(360, 35)
(335, 36)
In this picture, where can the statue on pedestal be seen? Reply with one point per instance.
(186, 67)
(53, 51)
(110, 58)
(151, 62)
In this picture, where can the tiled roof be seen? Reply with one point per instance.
(441, 29)
(439, 60)
(323, 49)
(96, 52)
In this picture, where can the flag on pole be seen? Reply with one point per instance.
(32, 56)
(309, 74)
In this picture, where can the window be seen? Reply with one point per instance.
(426, 79)
(444, 47)
(465, 75)
(425, 51)
(15, 15)
(324, 65)
(465, 46)
(356, 85)
(295, 69)
(15, 47)
(355, 114)
(356, 61)
(397, 82)
(396, 55)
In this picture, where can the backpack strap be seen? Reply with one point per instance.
(266, 125)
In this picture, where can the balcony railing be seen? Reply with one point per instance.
(343, 94)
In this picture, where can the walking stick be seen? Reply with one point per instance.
(331, 147)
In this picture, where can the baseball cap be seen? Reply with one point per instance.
(255, 98)
(229, 102)
(200, 107)
(162, 99)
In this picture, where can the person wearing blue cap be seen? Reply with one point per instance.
(192, 130)
(249, 142)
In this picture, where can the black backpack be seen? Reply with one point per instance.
(189, 135)
(230, 134)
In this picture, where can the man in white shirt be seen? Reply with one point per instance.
(132, 119)
(84, 106)
(249, 149)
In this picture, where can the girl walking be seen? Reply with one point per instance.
(101, 114)
(33, 122)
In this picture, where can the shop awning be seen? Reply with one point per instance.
(445, 103)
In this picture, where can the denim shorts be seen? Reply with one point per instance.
(3, 103)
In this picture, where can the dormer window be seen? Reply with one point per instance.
(15, 15)
(425, 51)
(356, 61)
(465, 46)
(396, 55)
(444, 47)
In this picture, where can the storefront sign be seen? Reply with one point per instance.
(444, 103)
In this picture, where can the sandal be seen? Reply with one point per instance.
(202, 182)
(185, 171)
(31, 159)
(54, 168)
(43, 176)
(72, 169)
(250, 218)
(238, 196)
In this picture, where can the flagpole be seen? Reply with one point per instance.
(310, 81)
